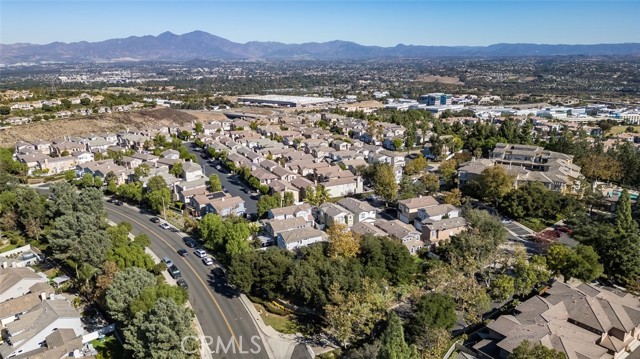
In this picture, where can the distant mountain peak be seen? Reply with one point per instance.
(168, 46)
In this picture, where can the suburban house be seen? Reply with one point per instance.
(435, 213)
(12, 308)
(297, 210)
(265, 177)
(368, 228)
(102, 169)
(30, 330)
(172, 154)
(57, 164)
(405, 233)
(83, 157)
(191, 171)
(330, 214)
(58, 148)
(408, 208)
(275, 226)
(282, 187)
(362, 211)
(17, 281)
(344, 186)
(435, 232)
(292, 240)
(580, 320)
(226, 206)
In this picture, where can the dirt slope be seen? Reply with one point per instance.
(50, 130)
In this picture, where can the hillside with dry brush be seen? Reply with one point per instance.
(115, 122)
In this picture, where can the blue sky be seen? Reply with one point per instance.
(384, 23)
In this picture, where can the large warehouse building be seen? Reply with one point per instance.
(286, 101)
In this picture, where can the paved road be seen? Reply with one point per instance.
(220, 312)
(230, 182)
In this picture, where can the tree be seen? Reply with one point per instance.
(529, 274)
(416, 166)
(398, 144)
(5, 110)
(602, 167)
(105, 280)
(502, 287)
(432, 311)
(176, 169)
(141, 171)
(448, 171)
(343, 243)
(385, 184)
(266, 203)
(453, 197)
(127, 285)
(351, 316)
(145, 301)
(317, 195)
(493, 184)
(393, 345)
(430, 183)
(199, 128)
(214, 183)
(288, 199)
(85, 101)
(538, 351)
(624, 218)
(581, 263)
(159, 333)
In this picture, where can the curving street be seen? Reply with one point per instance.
(222, 315)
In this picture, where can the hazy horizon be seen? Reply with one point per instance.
(379, 23)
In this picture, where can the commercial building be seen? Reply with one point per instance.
(435, 99)
(284, 101)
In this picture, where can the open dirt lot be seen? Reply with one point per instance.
(441, 79)
(49, 130)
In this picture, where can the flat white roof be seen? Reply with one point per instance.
(300, 100)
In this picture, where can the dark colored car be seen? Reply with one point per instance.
(182, 283)
(190, 243)
(218, 272)
(117, 202)
(155, 219)
(183, 252)
(175, 272)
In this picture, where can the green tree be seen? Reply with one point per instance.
(159, 332)
(141, 171)
(430, 183)
(393, 345)
(493, 184)
(288, 199)
(317, 195)
(214, 183)
(502, 287)
(624, 218)
(266, 203)
(448, 171)
(416, 166)
(127, 285)
(146, 300)
(538, 351)
(5, 110)
(432, 310)
(176, 169)
(199, 128)
(581, 263)
(385, 184)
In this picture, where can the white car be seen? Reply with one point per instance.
(165, 225)
(207, 261)
(200, 253)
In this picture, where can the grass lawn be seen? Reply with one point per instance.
(109, 348)
(8, 248)
(615, 130)
(284, 324)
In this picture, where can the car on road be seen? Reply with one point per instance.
(117, 202)
(183, 252)
(207, 261)
(182, 283)
(155, 219)
(200, 253)
(165, 225)
(218, 167)
(174, 271)
(167, 261)
(217, 272)
(190, 243)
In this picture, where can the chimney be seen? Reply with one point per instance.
(43, 296)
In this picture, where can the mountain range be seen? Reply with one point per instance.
(202, 45)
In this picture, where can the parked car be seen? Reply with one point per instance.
(167, 261)
(183, 252)
(182, 283)
(165, 225)
(218, 167)
(117, 202)
(190, 244)
(218, 272)
(200, 253)
(175, 272)
(155, 219)
(207, 261)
